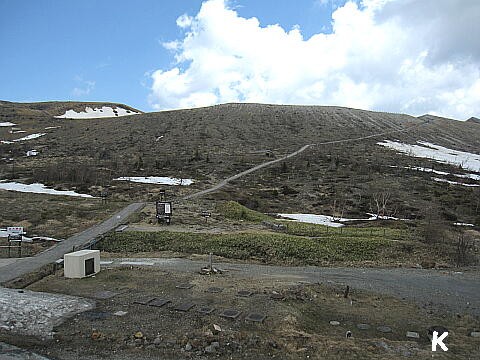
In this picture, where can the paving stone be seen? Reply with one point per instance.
(244, 293)
(230, 313)
(363, 326)
(106, 294)
(384, 329)
(185, 306)
(334, 323)
(158, 302)
(215, 290)
(255, 317)
(205, 310)
(413, 335)
(184, 286)
(144, 300)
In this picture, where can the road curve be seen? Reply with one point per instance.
(26, 265)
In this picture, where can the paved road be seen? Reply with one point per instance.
(439, 290)
(26, 265)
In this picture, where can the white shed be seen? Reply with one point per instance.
(81, 263)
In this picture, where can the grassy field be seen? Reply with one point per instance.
(264, 247)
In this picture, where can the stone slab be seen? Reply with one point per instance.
(363, 326)
(255, 317)
(158, 302)
(244, 293)
(184, 306)
(184, 286)
(205, 310)
(144, 300)
(384, 329)
(412, 335)
(230, 313)
(214, 290)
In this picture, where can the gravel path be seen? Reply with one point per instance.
(26, 265)
(438, 290)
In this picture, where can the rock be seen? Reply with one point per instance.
(120, 313)
(413, 335)
(215, 344)
(188, 347)
(96, 335)
(475, 334)
(209, 349)
(217, 328)
(334, 323)
(138, 335)
(157, 341)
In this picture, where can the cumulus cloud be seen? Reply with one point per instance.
(405, 56)
(84, 87)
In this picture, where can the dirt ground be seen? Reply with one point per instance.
(297, 323)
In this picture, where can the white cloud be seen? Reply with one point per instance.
(388, 55)
(84, 88)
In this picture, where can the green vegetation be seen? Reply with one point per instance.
(265, 247)
(315, 230)
(235, 211)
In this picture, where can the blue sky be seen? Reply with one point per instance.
(103, 49)
(404, 56)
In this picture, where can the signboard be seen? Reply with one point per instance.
(164, 208)
(15, 230)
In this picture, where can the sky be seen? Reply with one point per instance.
(403, 56)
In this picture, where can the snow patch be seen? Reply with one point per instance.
(25, 138)
(428, 170)
(314, 219)
(462, 224)
(436, 152)
(454, 182)
(38, 188)
(332, 221)
(156, 180)
(89, 113)
(5, 124)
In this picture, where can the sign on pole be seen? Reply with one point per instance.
(15, 230)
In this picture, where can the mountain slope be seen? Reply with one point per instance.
(42, 110)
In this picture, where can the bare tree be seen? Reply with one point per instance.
(381, 204)
(465, 250)
(337, 209)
